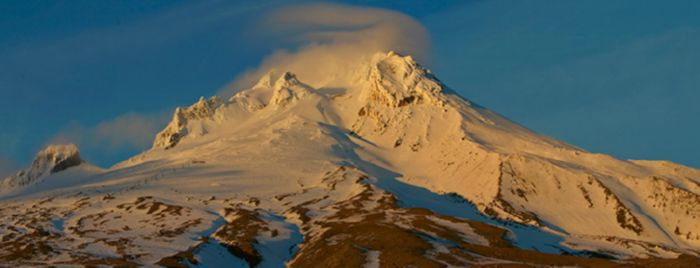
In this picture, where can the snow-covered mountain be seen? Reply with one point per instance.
(393, 169)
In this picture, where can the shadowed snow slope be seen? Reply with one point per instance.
(393, 169)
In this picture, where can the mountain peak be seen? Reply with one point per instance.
(54, 158)
(395, 80)
(286, 80)
(387, 156)
(397, 57)
(288, 89)
(58, 156)
(176, 129)
(388, 79)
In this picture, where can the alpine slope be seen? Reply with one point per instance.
(393, 169)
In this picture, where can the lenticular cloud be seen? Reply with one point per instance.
(327, 41)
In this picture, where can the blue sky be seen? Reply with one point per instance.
(616, 77)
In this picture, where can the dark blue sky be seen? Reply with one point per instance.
(617, 77)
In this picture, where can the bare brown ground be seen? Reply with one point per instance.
(369, 221)
(239, 235)
(346, 243)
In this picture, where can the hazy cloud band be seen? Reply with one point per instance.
(328, 39)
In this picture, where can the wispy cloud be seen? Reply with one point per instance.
(64, 69)
(329, 38)
(127, 132)
(7, 167)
